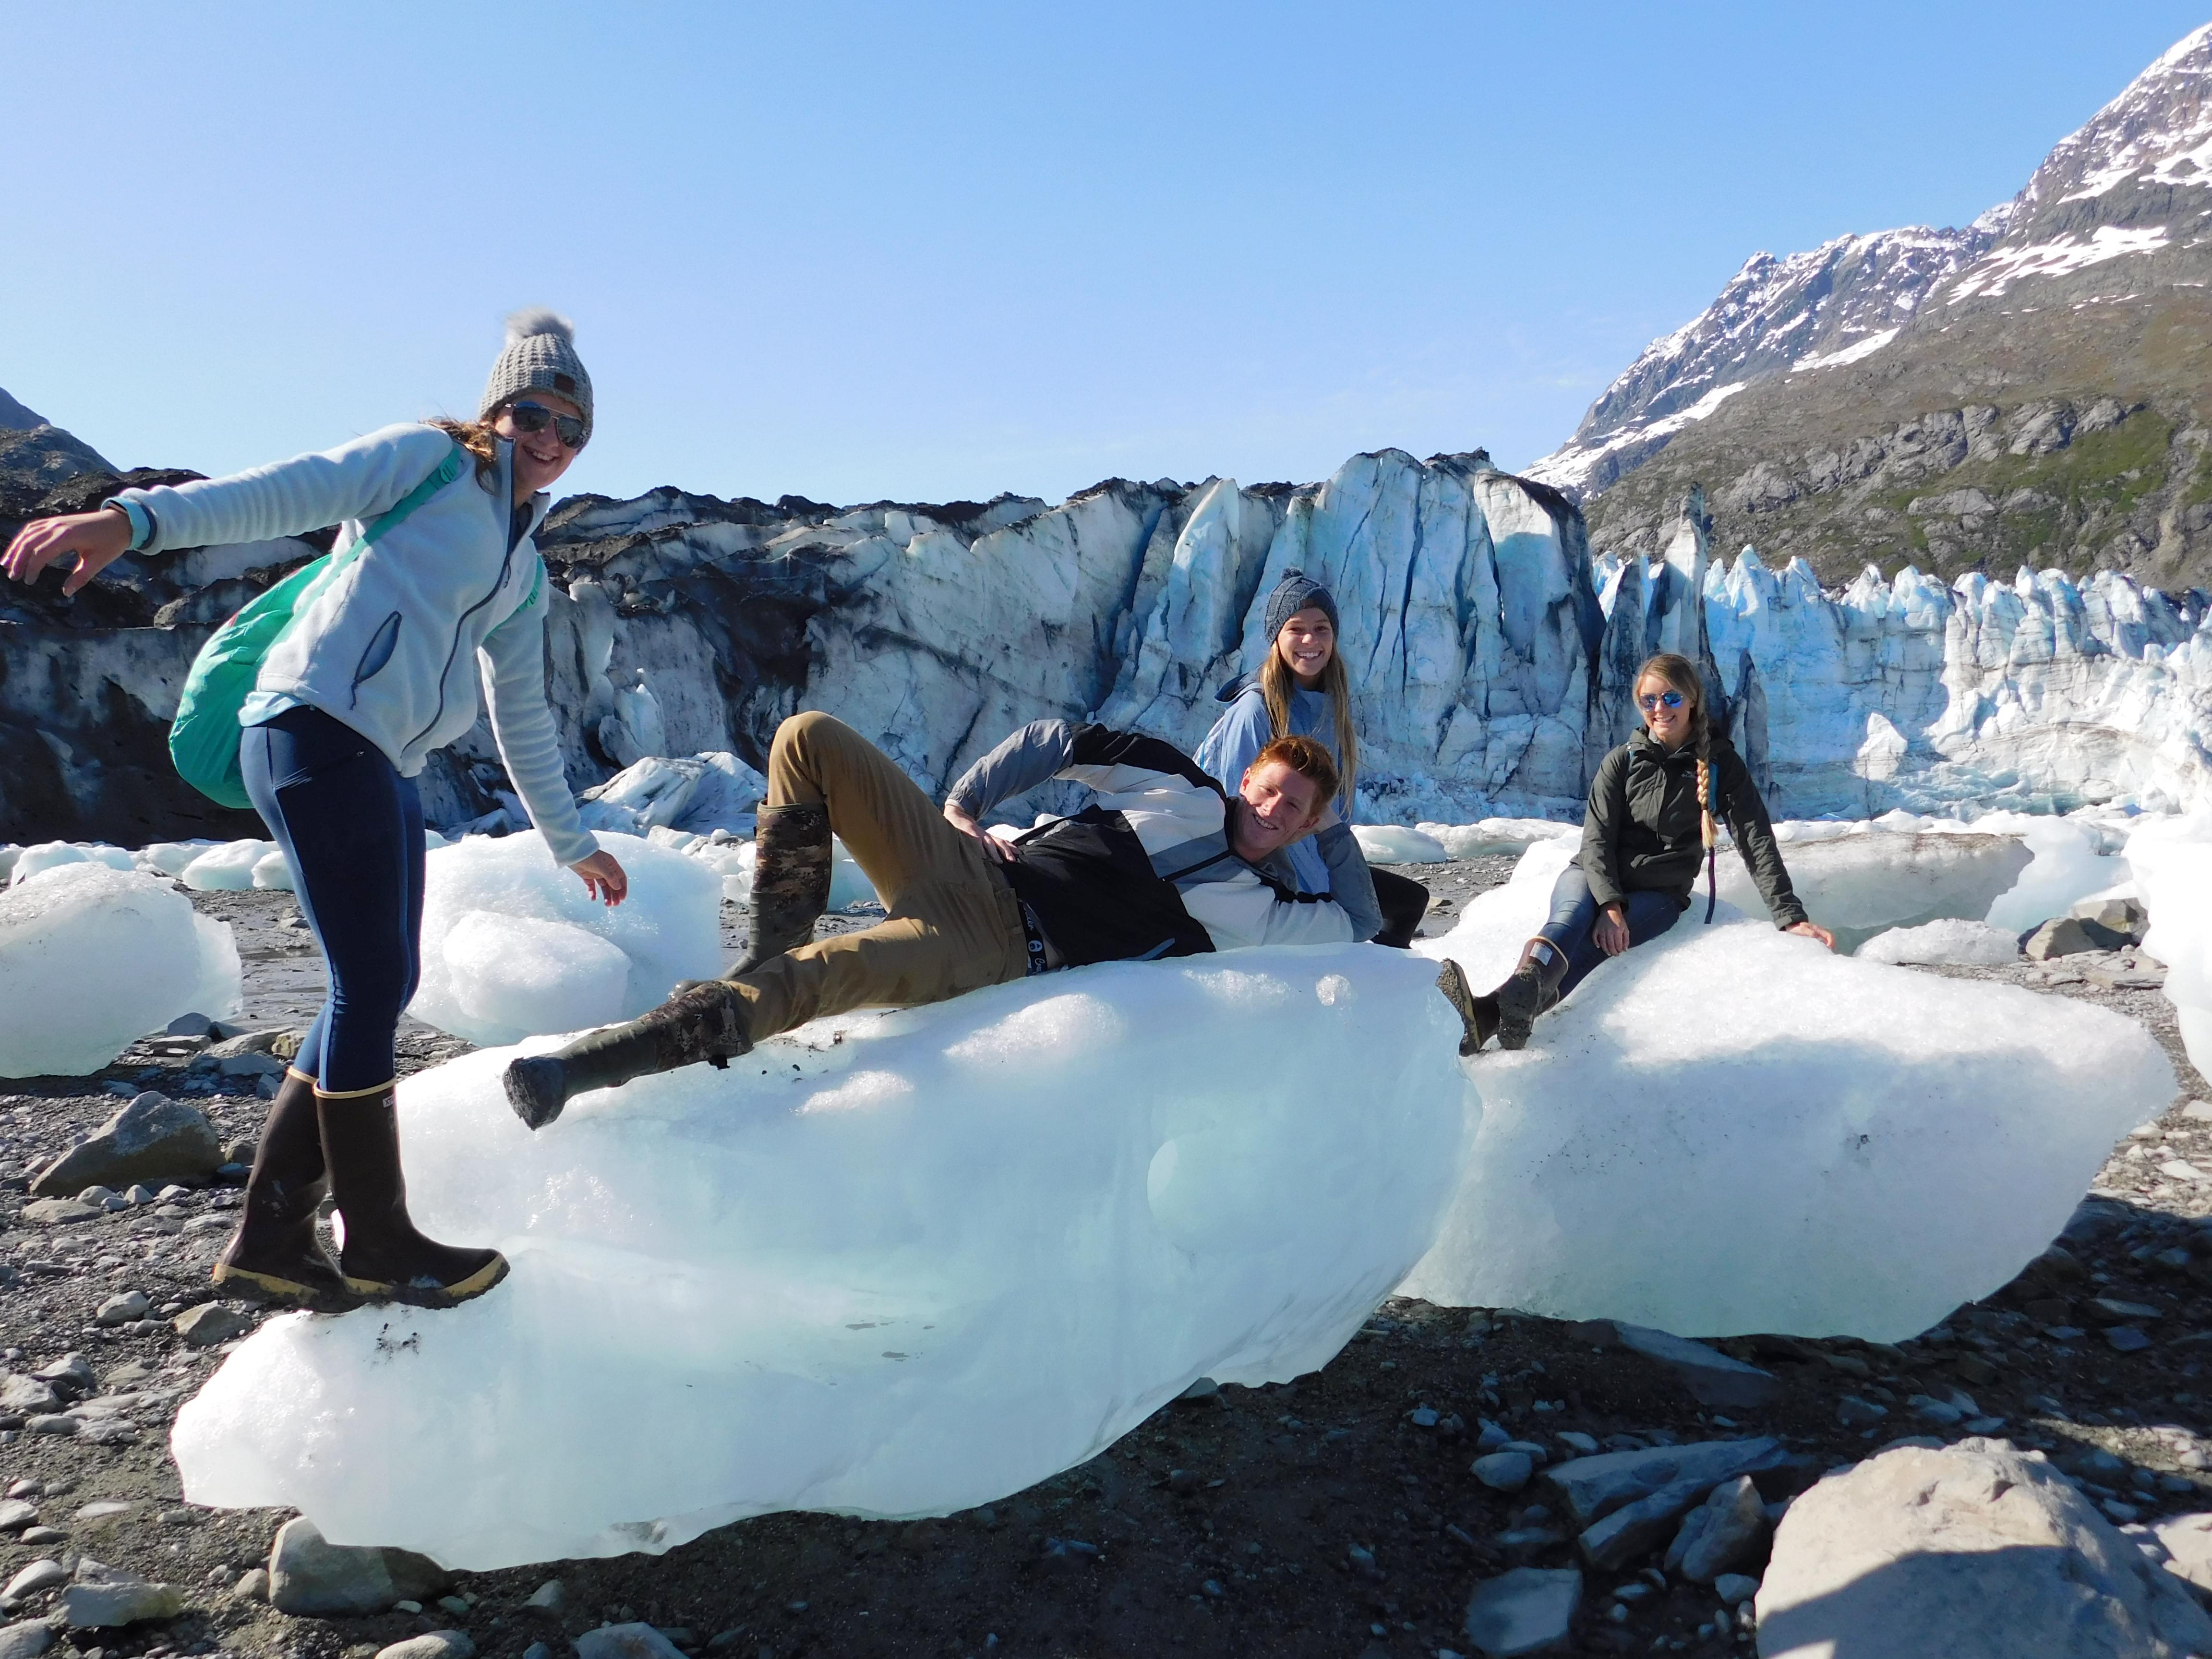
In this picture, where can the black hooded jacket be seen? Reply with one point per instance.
(1640, 832)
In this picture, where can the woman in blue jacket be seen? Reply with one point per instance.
(1302, 689)
(377, 669)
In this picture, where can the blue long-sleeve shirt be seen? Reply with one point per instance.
(1329, 860)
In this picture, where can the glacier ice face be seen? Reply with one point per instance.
(898, 1275)
(513, 946)
(93, 958)
(1729, 1130)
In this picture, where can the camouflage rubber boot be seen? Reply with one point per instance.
(707, 1022)
(1478, 1016)
(791, 881)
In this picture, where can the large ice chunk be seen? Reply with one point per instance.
(92, 957)
(1866, 879)
(1731, 1130)
(2069, 864)
(228, 868)
(1393, 844)
(849, 886)
(513, 946)
(52, 855)
(1950, 942)
(2172, 865)
(897, 1274)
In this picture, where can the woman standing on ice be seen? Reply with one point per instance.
(377, 668)
(1302, 690)
(1644, 833)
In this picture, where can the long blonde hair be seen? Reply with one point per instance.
(1277, 683)
(478, 438)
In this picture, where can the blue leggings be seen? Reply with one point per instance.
(352, 828)
(1575, 913)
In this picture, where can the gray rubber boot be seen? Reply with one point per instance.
(1533, 988)
(705, 1021)
(791, 881)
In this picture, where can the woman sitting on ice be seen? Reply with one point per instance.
(1302, 690)
(1652, 812)
(376, 668)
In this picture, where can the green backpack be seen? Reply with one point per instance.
(203, 738)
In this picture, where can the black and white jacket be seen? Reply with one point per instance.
(1147, 870)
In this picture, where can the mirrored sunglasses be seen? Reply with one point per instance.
(535, 417)
(1650, 702)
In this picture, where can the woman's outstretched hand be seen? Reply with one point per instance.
(97, 539)
(1612, 930)
(1813, 930)
(997, 850)
(603, 877)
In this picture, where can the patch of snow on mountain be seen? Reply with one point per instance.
(1994, 275)
(1850, 353)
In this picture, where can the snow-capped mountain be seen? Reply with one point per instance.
(1802, 347)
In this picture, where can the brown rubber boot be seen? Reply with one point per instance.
(384, 1258)
(275, 1254)
(1478, 1016)
(703, 1021)
(1533, 988)
(790, 880)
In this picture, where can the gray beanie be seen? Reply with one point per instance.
(1294, 593)
(540, 356)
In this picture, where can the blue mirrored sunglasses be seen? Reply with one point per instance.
(535, 417)
(1672, 699)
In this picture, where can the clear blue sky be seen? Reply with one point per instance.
(930, 251)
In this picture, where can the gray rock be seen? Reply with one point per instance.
(104, 1597)
(436, 1644)
(122, 1309)
(626, 1641)
(2126, 1339)
(1724, 1529)
(1712, 1378)
(537, 1650)
(2124, 918)
(1503, 1471)
(71, 1376)
(243, 1043)
(1596, 1486)
(1528, 1610)
(53, 1423)
(1734, 1587)
(26, 1640)
(28, 1396)
(60, 1212)
(551, 1596)
(1974, 1551)
(39, 1576)
(209, 1323)
(2070, 936)
(15, 1515)
(1854, 1413)
(154, 1139)
(308, 1575)
(255, 1065)
(100, 1198)
(252, 1585)
(1634, 1530)
(42, 1536)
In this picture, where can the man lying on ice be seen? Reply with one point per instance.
(1162, 865)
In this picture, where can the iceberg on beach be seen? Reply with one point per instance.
(1731, 1130)
(93, 958)
(2171, 861)
(513, 946)
(893, 1264)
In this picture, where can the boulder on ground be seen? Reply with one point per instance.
(105, 1597)
(1528, 1610)
(209, 1323)
(1973, 1550)
(2125, 917)
(154, 1139)
(2070, 936)
(1720, 1532)
(308, 1575)
(635, 1640)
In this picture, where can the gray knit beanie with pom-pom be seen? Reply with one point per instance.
(540, 356)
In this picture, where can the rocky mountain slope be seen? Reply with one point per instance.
(2032, 389)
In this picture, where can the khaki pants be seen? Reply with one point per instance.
(954, 923)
